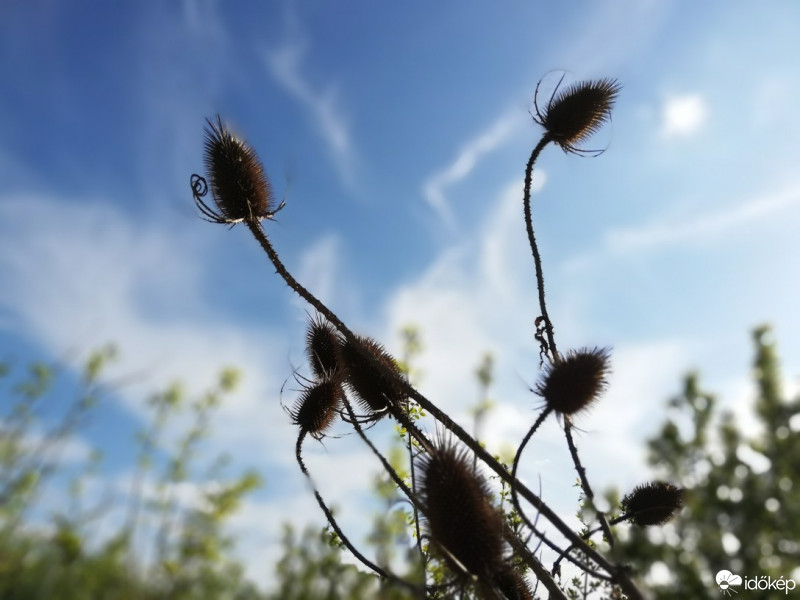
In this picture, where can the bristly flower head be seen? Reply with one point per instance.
(461, 521)
(574, 382)
(323, 344)
(239, 185)
(374, 390)
(513, 585)
(317, 406)
(574, 114)
(652, 503)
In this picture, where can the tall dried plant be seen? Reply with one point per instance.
(354, 379)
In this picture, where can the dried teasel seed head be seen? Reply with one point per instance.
(653, 503)
(239, 185)
(513, 585)
(465, 528)
(323, 345)
(317, 406)
(374, 390)
(574, 382)
(577, 112)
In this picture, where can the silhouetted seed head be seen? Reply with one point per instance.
(316, 408)
(460, 519)
(652, 503)
(323, 344)
(374, 391)
(513, 585)
(574, 114)
(239, 185)
(573, 383)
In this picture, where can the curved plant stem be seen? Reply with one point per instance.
(587, 488)
(537, 259)
(332, 520)
(619, 574)
(514, 481)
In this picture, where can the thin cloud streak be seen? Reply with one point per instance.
(285, 65)
(468, 157)
(664, 234)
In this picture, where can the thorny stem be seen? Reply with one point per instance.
(526, 201)
(587, 488)
(619, 575)
(537, 567)
(412, 470)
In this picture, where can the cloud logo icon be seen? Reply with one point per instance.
(725, 579)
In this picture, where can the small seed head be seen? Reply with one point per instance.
(653, 503)
(316, 408)
(323, 345)
(374, 390)
(513, 585)
(574, 382)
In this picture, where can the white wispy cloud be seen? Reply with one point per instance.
(285, 64)
(703, 226)
(479, 296)
(99, 279)
(683, 116)
(105, 278)
(469, 155)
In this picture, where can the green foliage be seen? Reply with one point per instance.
(742, 509)
(48, 552)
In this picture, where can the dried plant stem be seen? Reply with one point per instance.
(329, 515)
(514, 480)
(515, 499)
(526, 201)
(412, 470)
(386, 464)
(635, 594)
(587, 488)
(335, 525)
(537, 567)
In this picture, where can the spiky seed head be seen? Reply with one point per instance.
(316, 408)
(323, 345)
(574, 382)
(574, 114)
(459, 517)
(653, 503)
(513, 585)
(374, 390)
(239, 185)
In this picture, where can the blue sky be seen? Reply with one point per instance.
(398, 135)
